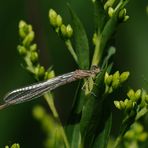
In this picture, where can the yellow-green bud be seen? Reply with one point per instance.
(143, 136)
(122, 13)
(138, 128)
(116, 75)
(51, 74)
(129, 135)
(59, 20)
(108, 79)
(117, 104)
(115, 84)
(28, 39)
(129, 105)
(6, 146)
(126, 18)
(63, 30)
(22, 26)
(138, 94)
(110, 90)
(53, 17)
(41, 71)
(69, 31)
(131, 94)
(22, 50)
(108, 4)
(145, 98)
(111, 11)
(122, 105)
(16, 145)
(33, 47)
(39, 112)
(124, 76)
(34, 57)
(126, 101)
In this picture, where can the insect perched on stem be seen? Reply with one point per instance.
(30, 92)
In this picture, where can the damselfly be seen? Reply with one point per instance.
(30, 92)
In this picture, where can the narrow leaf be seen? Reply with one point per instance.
(99, 15)
(102, 139)
(81, 41)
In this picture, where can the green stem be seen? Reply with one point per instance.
(117, 142)
(96, 55)
(49, 98)
(71, 50)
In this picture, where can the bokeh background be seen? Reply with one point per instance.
(17, 123)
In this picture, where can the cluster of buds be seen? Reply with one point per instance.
(111, 7)
(134, 98)
(136, 133)
(28, 50)
(112, 82)
(65, 31)
(15, 145)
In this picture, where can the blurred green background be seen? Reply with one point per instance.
(17, 123)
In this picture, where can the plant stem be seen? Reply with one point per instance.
(117, 142)
(71, 50)
(49, 98)
(97, 55)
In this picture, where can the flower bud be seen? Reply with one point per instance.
(124, 76)
(110, 90)
(22, 26)
(59, 20)
(22, 50)
(126, 18)
(39, 112)
(53, 17)
(138, 94)
(108, 79)
(69, 31)
(131, 94)
(41, 71)
(34, 57)
(115, 84)
(122, 14)
(15, 145)
(122, 105)
(111, 11)
(108, 4)
(28, 39)
(117, 104)
(49, 74)
(126, 101)
(145, 98)
(116, 76)
(143, 136)
(63, 30)
(33, 47)
(129, 105)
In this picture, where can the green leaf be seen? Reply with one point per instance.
(81, 41)
(99, 15)
(103, 137)
(76, 137)
(91, 113)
